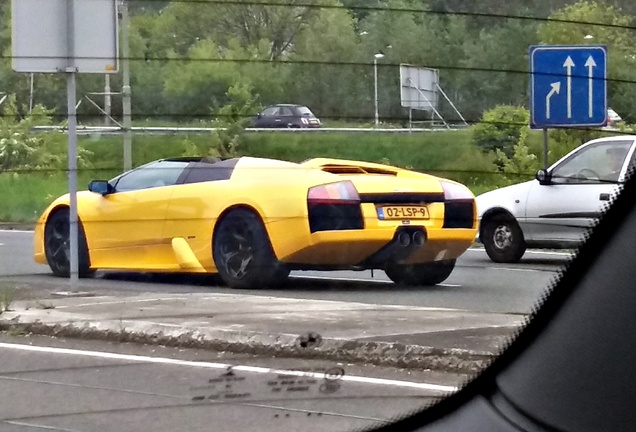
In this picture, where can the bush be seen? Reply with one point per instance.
(22, 149)
(522, 164)
(500, 128)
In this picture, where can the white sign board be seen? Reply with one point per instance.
(419, 87)
(40, 38)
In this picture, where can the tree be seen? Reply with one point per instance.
(503, 48)
(200, 84)
(230, 121)
(323, 74)
(249, 21)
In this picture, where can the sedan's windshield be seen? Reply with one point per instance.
(603, 161)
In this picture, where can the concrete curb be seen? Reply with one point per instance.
(17, 226)
(283, 345)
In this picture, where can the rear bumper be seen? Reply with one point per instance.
(373, 248)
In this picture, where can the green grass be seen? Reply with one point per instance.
(447, 154)
(26, 195)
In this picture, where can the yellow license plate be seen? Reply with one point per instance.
(402, 212)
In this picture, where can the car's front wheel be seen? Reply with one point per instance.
(57, 245)
(243, 254)
(503, 239)
(420, 274)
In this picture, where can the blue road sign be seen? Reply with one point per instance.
(568, 86)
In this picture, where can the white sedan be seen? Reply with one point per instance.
(556, 209)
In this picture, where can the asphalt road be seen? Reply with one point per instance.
(477, 283)
(85, 386)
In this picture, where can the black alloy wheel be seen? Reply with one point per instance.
(243, 253)
(57, 245)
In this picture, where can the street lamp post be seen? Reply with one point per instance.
(375, 80)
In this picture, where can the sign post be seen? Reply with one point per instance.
(568, 87)
(66, 36)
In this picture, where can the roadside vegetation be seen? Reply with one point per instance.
(27, 191)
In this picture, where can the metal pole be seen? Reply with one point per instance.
(107, 100)
(126, 108)
(452, 104)
(410, 119)
(375, 87)
(545, 148)
(72, 145)
(31, 94)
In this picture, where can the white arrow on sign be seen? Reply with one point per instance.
(556, 88)
(569, 64)
(590, 64)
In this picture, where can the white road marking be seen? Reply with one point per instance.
(225, 366)
(1, 244)
(5, 231)
(38, 426)
(516, 269)
(346, 279)
(98, 303)
(538, 252)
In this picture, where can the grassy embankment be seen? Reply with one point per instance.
(448, 154)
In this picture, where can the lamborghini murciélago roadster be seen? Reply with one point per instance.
(254, 220)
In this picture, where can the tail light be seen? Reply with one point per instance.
(334, 193)
(334, 206)
(456, 191)
(459, 207)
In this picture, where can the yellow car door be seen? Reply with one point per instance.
(124, 228)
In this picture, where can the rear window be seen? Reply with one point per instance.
(199, 172)
(304, 111)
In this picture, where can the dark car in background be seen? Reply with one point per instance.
(285, 116)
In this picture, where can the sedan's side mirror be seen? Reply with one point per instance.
(544, 177)
(101, 187)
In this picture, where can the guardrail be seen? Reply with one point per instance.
(160, 130)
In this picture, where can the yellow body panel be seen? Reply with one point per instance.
(171, 228)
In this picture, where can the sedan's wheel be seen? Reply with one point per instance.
(420, 274)
(57, 246)
(243, 253)
(503, 240)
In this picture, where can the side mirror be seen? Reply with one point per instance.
(544, 177)
(101, 187)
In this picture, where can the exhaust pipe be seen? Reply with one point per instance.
(418, 238)
(405, 242)
(404, 239)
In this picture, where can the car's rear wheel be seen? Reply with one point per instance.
(243, 254)
(57, 245)
(420, 274)
(503, 239)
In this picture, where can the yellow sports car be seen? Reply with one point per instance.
(254, 220)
